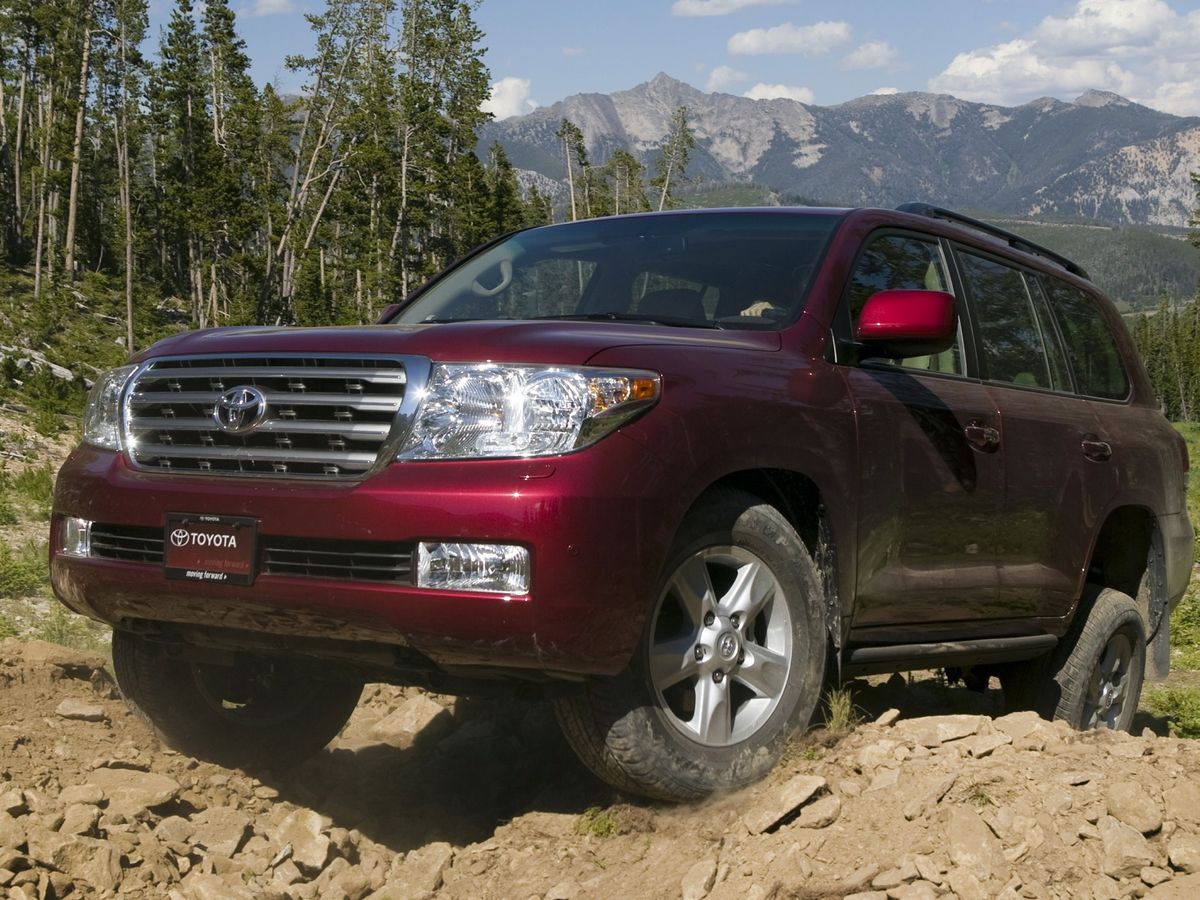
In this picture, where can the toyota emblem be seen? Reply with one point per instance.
(240, 410)
(179, 537)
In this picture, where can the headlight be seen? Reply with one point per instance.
(102, 416)
(474, 411)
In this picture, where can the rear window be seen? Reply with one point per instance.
(1091, 348)
(726, 270)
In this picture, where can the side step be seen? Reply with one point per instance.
(903, 657)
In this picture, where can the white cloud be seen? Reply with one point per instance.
(572, 51)
(871, 55)
(270, 7)
(1141, 49)
(509, 97)
(724, 77)
(719, 7)
(780, 92)
(884, 91)
(788, 38)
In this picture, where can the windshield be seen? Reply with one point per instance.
(718, 270)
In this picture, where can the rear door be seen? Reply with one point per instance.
(932, 476)
(1058, 481)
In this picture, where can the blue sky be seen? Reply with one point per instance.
(815, 51)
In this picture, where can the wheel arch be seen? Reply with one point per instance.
(800, 499)
(1128, 556)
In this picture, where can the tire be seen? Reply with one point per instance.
(1093, 679)
(260, 713)
(675, 726)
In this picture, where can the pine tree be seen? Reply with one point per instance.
(672, 162)
(575, 160)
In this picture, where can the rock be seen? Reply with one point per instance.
(972, 845)
(221, 830)
(302, 831)
(699, 879)
(12, 834)
(923, 803)
(878, 754)
(1130, 803)
(131, 792)
(564, 890)
(1182, 802)
(81, 793)
(1183, 851)
(417, 715)
(773, 810)
(200, 886)
(918, 890)
(1075, 779)
(80, 818)
(81, 711)
(1153, 875)
(94, 861)
(1019, 724)
(421, 872)
(867, 895)
(820, 813)
(1126, 851)
(964, 883)
(938, 730)
(1185, 888)
(12, 803)
(981, 745)
(887, 717)
(173, 830)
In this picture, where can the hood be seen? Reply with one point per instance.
(550, 342)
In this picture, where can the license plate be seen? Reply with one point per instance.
(213, 549)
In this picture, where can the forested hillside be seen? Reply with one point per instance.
(162, 163)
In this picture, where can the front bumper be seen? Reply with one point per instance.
(597, 523)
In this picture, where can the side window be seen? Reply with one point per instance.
(1018, 346)
(903, 262)
(1099, 370)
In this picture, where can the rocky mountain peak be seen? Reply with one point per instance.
(1095, 98)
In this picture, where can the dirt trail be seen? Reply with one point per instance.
(424, 796)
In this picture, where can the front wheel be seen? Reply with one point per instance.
(730, 664)
(259, 712)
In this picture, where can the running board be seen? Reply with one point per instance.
(904, 657)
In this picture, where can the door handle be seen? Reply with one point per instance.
(982, 437)
(1095, 449)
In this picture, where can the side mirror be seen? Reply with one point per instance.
(902, 323)
(388, 311)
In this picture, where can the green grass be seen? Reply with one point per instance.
(33, 489)
(23, 572)
(840, 714)
(1191, 434)
(1179, 705)
(596, 821)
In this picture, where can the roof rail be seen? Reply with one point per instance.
(1013, 240)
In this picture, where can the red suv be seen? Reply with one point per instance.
(677, 469)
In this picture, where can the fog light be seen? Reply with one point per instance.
(75, 537)
(496, 568)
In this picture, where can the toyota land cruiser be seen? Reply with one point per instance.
(677, 470)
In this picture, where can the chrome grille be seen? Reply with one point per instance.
(326, 416)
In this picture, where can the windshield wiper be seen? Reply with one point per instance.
(673, 321)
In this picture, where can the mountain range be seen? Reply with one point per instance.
(1100, 158)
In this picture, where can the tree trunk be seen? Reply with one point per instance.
(77, 150)
(19, 144)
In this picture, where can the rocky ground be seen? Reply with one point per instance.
(424, 796)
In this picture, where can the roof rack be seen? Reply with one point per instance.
(1013, 240)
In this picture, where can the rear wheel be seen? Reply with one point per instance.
(258, 712)
(1094, 678)
(730, 664)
